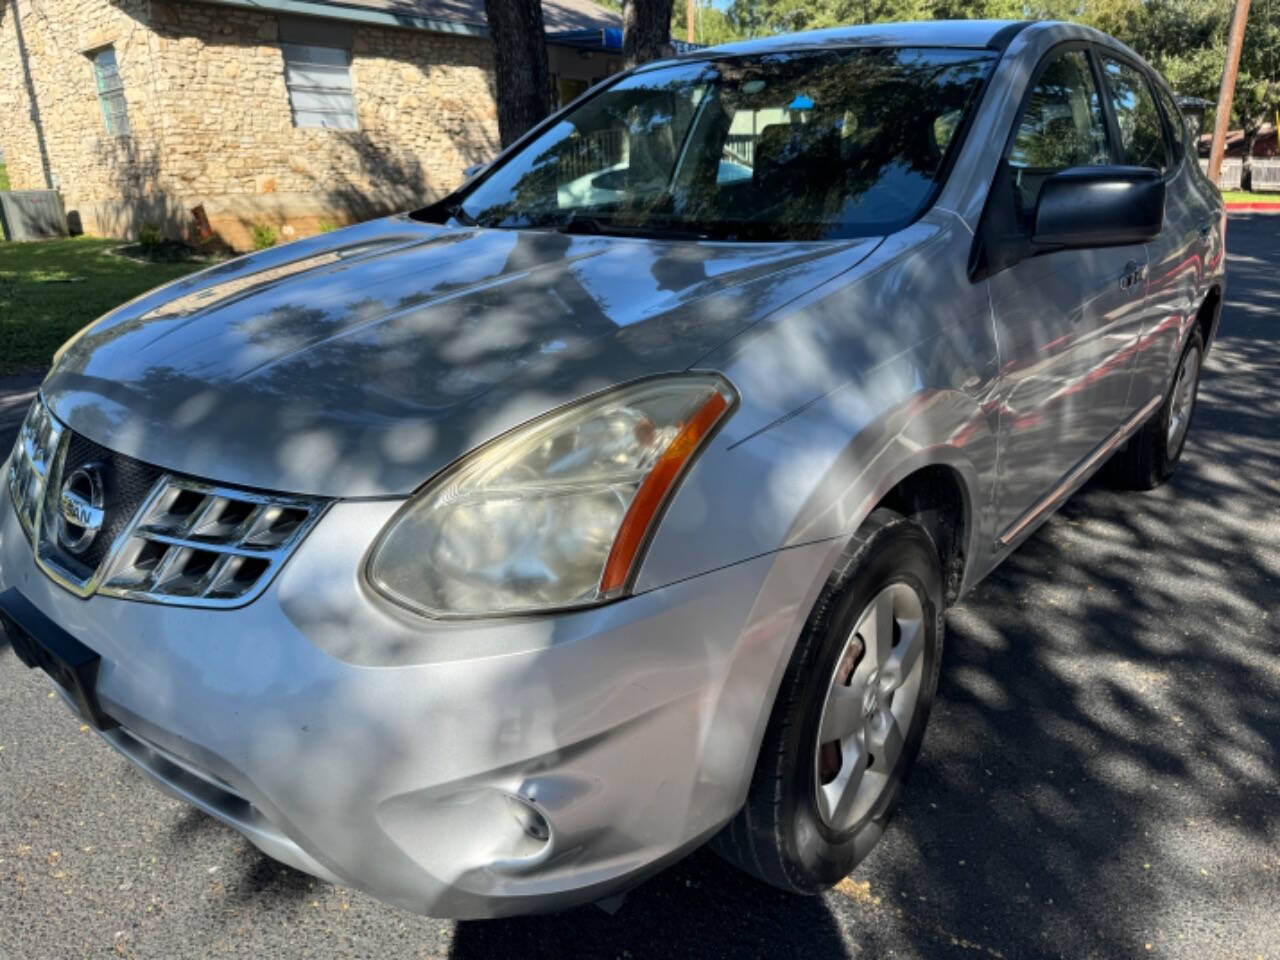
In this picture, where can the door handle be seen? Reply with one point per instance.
(1131, 276)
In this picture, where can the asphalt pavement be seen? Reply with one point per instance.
(1099, 778)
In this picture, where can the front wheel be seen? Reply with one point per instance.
(1153, 452)
(849, 716)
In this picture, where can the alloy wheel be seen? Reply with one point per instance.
(870, 704)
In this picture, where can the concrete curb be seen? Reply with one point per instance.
(1254, 207)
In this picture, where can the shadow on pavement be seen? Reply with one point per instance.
(264, 881)
(699, 908)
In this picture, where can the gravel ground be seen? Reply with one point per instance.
(1099, 778)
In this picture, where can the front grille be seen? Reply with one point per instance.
(126, 484)
(198, 543)
(157, 537)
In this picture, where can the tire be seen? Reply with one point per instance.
(1152, 453)
(795, 831)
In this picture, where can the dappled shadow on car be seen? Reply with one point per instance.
(1103, 751)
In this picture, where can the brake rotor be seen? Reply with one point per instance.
(830, 758)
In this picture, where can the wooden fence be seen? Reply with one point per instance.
(1230, 176)
(1265, 174)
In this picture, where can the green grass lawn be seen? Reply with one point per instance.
(1248, 196)
(4, 178)
(52, 288)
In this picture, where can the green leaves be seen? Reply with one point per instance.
(1184, 39)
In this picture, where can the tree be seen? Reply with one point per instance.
(785, 16)
(520, 65)
(1183, 39)
(712, 24)
(646, 30)
(1258, 88)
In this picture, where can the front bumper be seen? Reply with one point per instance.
(423, 761)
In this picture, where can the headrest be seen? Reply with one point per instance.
(795, 153)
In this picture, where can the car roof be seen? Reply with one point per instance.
(928, 33)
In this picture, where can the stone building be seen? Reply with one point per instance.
(292, 114)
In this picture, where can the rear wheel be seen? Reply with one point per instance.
(1153, 452)
(849, 716)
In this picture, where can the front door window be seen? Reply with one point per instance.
(1141, 134)
(1061, 127)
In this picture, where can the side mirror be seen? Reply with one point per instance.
(1099, 207)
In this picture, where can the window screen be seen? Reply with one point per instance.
(110, 92)
(319, 82)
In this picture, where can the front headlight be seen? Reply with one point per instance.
(553, 514)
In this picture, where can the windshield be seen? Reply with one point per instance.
(793, 146)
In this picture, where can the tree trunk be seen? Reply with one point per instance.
(646, 30)
(520, 65)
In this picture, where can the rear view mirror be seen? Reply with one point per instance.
(1099, 207)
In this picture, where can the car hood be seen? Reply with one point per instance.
(358, 363)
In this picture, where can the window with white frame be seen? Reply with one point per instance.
(319, 82)
(110, 92)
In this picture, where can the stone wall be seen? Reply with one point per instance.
(211, 123)
(43, 46)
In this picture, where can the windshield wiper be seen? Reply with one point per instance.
(458, 213)
(580, 225)
(593, 226)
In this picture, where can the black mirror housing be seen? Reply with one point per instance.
(1099, 207)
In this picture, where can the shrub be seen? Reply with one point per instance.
(264, 236)
(150, 237)
(326, 226)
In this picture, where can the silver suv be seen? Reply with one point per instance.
(489, 557)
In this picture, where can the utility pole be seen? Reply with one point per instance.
(1222, 119)
(689, 16)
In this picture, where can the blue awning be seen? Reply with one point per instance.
(606, 38)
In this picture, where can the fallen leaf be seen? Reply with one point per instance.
(860, 892)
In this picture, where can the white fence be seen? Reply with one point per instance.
(1231, 174)
(1265, 174)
